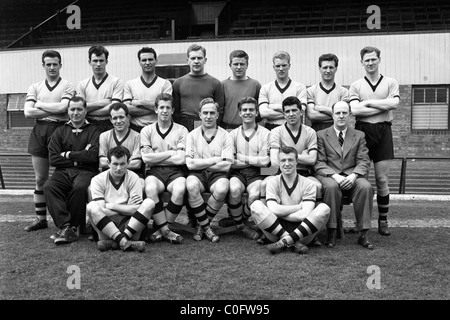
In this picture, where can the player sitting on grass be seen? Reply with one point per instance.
(117, 211)
(291, 218)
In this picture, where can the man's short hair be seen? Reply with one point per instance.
(77, 99)
(369, 50)
(118, 152)
(291, 100)
(163, 97)
(196, 47)
(288, 150)
(239, 54)
(117, 106)
(208, 101)
(329, 57)
(248, 100)
(98, 51)
(51, 54)
(348, 104)
(283, 55)
(146, 50)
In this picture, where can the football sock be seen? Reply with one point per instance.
(272, 225)
(40, 205)
(137, 223)
(159, 216)
(108, 227)
(246, 211)
(213, 206)
(383, 206)
(305, 229)
(172, 211)
(235, 211)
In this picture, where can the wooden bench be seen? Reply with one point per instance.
(265, 172)
(176, 226)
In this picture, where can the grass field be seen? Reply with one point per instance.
(413, 263)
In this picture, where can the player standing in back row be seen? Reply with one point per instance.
(323, 95)
(273, 93)
(47, 102)
(140, 93)
(373, 99)
(100, 90)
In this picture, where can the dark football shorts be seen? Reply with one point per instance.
(166, 174)
(378, 139)
(208, 178)
(121, 223)
(247, 175)
(40, 137)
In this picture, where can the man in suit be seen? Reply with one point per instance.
(342, 164)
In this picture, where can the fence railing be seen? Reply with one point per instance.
(402, 183)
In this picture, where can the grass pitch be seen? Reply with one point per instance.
(413, 264)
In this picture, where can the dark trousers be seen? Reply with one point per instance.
(361, 195)
(66, 195)
(188, 122)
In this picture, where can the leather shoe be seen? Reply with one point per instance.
(263, 240)
(350, 230)
(362, 240)
(383, 228)
(316, 243)
(331, 238)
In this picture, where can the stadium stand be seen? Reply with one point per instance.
(43, 22)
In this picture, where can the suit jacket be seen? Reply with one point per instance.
(352, 158)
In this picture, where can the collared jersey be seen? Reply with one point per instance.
(318, 95)
(141, 90)
(173, 139)
(127, 191)
(198, 147)
(385, 88)
(110, 88)
(303, 189)
(306, 139)
(255, 145)
(272, 93)
(131, 141)
(42, 91)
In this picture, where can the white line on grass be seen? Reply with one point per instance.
(404, 223)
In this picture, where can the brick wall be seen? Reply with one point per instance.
(406, 141)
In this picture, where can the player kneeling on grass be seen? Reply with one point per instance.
(291, 218)
(117, 211)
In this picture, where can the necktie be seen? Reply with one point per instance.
(341, 138)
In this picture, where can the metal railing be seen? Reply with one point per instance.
(402, 183)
